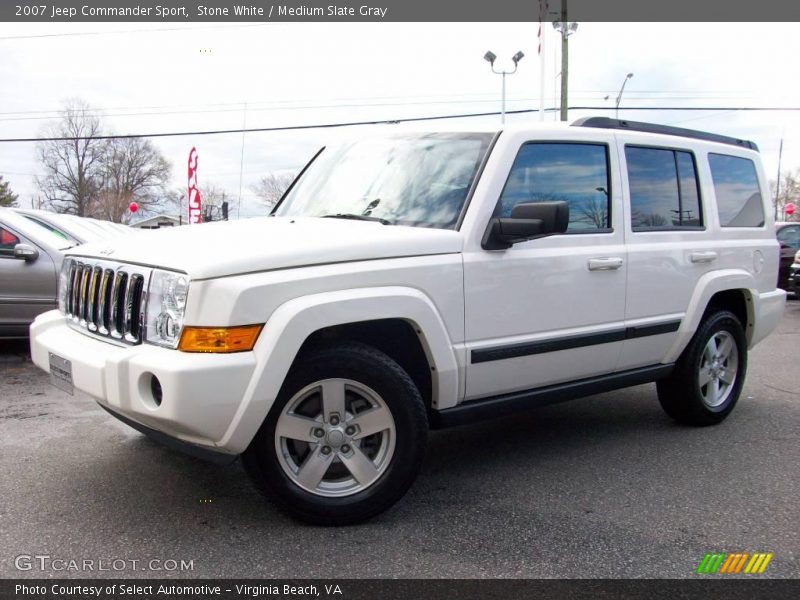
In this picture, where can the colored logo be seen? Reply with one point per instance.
(733, 563)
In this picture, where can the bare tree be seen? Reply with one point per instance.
(271, 187)
(593, 211)
(211, 197)
(133, 170)
(643, 219)
(790, 192)
(7, 197)
(37, 202)
(72, 163)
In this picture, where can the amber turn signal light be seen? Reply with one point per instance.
(219, 339)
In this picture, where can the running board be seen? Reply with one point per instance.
(506, 404)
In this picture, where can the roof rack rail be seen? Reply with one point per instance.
(608, 123)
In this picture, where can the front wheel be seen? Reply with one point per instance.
(345, 438)
(709, 375)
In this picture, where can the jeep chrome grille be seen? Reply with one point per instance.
(107, 299)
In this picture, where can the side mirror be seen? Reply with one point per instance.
(26, 252)
(527, 221)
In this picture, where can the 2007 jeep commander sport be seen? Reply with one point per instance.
(408, 281)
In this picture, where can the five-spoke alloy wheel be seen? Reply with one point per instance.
(335, 437)
(708, 377)
(718, 369)
(345, 437)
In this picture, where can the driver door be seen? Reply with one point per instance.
(549, 310)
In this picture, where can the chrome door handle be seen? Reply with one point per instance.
(605, 264)
(703, 257)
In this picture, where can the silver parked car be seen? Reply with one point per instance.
(30, 260)
(78, 229)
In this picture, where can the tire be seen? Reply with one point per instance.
(721, 363)
(345, 467)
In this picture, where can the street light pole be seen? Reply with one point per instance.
(619, 96)
(490, 57)
(503, 101)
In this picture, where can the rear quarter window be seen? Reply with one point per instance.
(739, 200)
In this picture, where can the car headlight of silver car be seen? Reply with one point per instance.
(166, 307)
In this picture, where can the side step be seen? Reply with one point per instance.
(497, 406)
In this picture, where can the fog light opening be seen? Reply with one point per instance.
(155, 390)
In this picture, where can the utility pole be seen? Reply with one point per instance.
(566, 29)
(778, 183)
(241, 163)
(564, 61)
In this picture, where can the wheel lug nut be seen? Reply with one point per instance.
(326, 449)
(345, 448)
(334, 421)
(319, 432)
(350, 430)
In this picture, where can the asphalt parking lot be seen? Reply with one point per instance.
(607, 486)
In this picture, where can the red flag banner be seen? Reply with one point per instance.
(195, 208)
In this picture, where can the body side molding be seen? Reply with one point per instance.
(572, 341)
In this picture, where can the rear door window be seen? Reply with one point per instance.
(663, 188)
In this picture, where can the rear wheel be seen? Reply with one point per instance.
(709, 375)
(345, 438)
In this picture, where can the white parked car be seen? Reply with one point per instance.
(410, 281)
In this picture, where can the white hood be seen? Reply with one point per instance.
(250, 245)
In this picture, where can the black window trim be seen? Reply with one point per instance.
(758, 185)
(295, 180)
(609, 195)
(462, 215)
(673, 228)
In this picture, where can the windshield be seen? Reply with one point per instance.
(403, 179)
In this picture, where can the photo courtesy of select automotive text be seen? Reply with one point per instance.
(399, 300)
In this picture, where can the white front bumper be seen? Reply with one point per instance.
(201, 392)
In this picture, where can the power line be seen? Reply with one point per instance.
(100, 113)
(394, 122)
(263, 129)
(455, 98)
(121, 31)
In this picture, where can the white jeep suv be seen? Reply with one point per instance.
(410, 281)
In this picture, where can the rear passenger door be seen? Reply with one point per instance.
(668, 241)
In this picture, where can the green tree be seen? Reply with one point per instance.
(7, 197)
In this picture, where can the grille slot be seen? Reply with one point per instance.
(107, 299)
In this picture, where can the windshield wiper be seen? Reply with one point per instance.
(356, 217)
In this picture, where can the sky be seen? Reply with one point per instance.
(148, 78)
